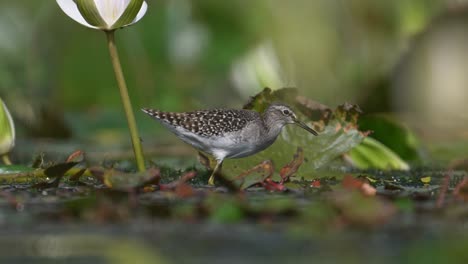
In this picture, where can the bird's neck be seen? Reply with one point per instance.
(273, 126)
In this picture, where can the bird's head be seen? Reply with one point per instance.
(283, 114)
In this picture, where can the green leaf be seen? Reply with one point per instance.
(119, 180)
(373, 154)
(394, 134)
(129, 14)
(15, 169)
(91, 14)
(12, 174)
(7, 130)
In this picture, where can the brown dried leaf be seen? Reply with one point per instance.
(291, 168)
(77, 156)
(265, 169)
(182, 180)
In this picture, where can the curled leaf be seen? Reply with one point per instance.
(77, 156)
(7, 130)
(394, 134)
(373, 154)
(254, 175)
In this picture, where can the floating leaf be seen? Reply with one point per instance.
(373, 154)
(15, 169)
(119, 180)
(17, 173)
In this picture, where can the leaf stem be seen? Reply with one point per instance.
(137, 149)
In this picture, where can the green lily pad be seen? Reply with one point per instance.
(10, 174)
(15, 169)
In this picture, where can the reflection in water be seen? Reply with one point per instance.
(75, 249)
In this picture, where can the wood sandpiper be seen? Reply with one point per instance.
(229, 133)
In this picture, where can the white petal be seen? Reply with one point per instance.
(111, 10)
(69, 7)
(141, 13)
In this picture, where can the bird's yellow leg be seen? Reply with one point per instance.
(218, 166)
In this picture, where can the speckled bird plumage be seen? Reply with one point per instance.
(206, 123)
(229, 133)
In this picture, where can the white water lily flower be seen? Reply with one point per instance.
(7, 130)
(104, 14)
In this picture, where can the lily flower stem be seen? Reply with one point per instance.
(6, 160)
(137, 149)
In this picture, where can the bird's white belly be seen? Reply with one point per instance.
(235, 147)
(222, 148)
(227, 146)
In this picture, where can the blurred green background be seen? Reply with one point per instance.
(404, 56)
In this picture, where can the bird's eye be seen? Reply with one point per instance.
(286, 112)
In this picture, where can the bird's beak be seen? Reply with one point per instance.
(306, 127)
